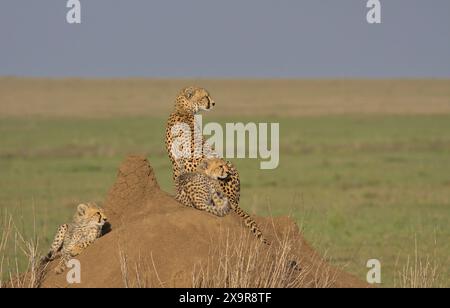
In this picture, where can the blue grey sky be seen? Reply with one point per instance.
(225, 39)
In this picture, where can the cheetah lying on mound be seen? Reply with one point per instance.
(71, 239)
(201, 189)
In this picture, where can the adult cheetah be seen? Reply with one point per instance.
(189, 102)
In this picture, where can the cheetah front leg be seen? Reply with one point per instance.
(217, 204)
(57, 243)
(221, 205)
(220, 201)
(72, 250)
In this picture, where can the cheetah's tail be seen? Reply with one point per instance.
(251, 223)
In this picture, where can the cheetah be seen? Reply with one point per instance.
(213, 166)
(71, 239)
(201, 189)
(189, 102)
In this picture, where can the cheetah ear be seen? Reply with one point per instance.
(81, 209)
(189, 92)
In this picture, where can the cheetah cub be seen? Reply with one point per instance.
(71, 239)
(201, 189)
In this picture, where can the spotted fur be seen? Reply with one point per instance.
(214, 166)
(189, 102)
(202, 190)
(71, 239)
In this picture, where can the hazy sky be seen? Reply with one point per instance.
(228, 38)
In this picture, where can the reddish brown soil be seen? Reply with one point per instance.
(159, 236)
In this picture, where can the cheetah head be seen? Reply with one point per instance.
(216, 168)
(192, 100)
(90, 214)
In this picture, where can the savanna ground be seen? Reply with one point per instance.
(364, 165)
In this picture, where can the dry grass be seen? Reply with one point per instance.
(13, 274)
(232, 263)
(131, 97)
(245, 263)
(239, 263)
(419, 272)
(138, 274)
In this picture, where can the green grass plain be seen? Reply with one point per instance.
(361, 185)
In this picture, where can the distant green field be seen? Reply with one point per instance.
(361, 187)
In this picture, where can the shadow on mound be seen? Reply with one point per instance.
(156, 242)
